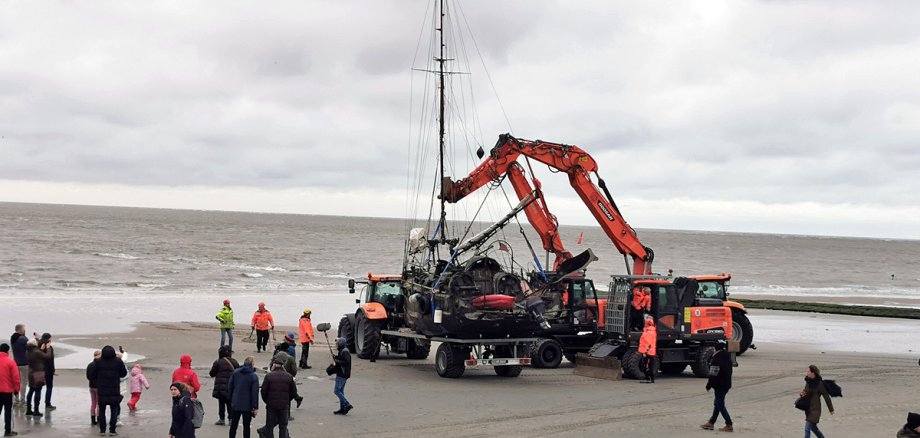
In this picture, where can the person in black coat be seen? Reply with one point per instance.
(244, 396)
(93, 388)
(221, 371)
(182, 412)
(720, 379)
(342, 374)
(278, 389)
(107, 373)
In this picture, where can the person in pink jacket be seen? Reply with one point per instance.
(138, 383)
(184, 374)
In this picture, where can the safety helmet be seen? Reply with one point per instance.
(261, 304)
(227, 301)
(307, 311)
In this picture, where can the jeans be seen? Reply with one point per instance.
(115, 409)
(812, 427)
(49, 385)
(275, 418)
(718, 407)
(339, 392)
(235, 422)
(6, 404)
(261, 339)
(304, 353)
(226, 333)
(33, 397)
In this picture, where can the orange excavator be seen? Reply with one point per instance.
(685, 339)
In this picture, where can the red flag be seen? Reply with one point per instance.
(580, 236)
(503, 247)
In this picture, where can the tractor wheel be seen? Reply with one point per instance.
(673, 368)
(367, 337)
(418, 349)
(632, 365)
(546, 353)
(448, 361)
(700, 366)
(346, 331)
(570, 357)
(742, 330)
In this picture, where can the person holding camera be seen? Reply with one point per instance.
(50, 370)
(36, 356)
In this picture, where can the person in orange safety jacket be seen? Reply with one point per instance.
(306, 338)
(262, 323)
(647, 348)
(641, 303)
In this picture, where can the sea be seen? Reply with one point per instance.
(138, 264)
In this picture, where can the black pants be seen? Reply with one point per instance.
(235, 422)
(649, 366)
(49, 385)
(6, 404)
(261, 339)
(223, 405)
(304, 354)
(276, 418)
(33, 397)
(115, 409)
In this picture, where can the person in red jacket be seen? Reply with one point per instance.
(647, 348)
(262, 322)
(184, 374)
(306, 338)
(9, 385)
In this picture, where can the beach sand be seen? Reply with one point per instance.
(397, 397)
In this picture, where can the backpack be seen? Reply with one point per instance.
(833, 389)
(198, 416)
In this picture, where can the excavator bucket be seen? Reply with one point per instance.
(608, 368)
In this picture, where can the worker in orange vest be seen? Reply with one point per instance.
(262, 323)
(641, 303)
(306, 338)
(647, 348)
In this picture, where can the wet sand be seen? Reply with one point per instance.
(397, 397)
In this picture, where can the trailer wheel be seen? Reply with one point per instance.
(345, 331)
(546, 353)
(418, 349)
(700, 366)
(367, 337)
(448, 361)
(673, 368)
(509, 370)
(570, 357)
(742, 330)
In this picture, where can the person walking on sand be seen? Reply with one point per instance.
(138, 384)
(814, 390)
(18, 343)
(244, 396)
(9, 385)
(342, 374)
(185, 374)
(36, 356)
(306, 338)
(221, 371)
(912, 428)
(50, 370)
(93, 388)
(182, 412)
(225, 316)
(262, 322)
(107, 373)
(647, 348)
(720, 379)
(278, 389)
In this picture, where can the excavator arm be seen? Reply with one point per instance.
(578, 165)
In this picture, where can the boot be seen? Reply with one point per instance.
(727, 428)
(92, 419)
(708, 426)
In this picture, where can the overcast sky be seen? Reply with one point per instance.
(772, 116)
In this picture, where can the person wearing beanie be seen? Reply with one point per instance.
(342, 374)
(278, 389)
(37, 357)
(262, 323)
(9, 385)
(221, 371)
(183, 411)
(289, 340)
(185, 374)
(306, 338)
(912, 428)
(225, 317)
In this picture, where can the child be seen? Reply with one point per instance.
(138, 382)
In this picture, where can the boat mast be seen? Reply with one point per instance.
(443, 219)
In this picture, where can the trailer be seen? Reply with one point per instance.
(507, 356)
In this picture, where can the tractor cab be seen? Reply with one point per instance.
(380, 294)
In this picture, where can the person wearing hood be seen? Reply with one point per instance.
(138, 384)
(18, 343)
(182, 412)
(647, 348)
(720, 379)
(814, 390)
(912, 428)
(9, 385)
(107, 373)
(36, 356)
(225, 317)
(93, 388)
(342, 374)
(243, 388)
(185, 374)
(278, 389)
(262, 323)
(221, 371)
(306, 338)
(50, 370)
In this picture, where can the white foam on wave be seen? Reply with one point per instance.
(840, 292)
(116, 256)
(252, 275)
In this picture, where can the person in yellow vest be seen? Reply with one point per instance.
(225, 316)
(262, 323)
(306, 338)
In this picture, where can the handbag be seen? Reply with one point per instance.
(802, 403)
(38, 378)
(331, 369)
